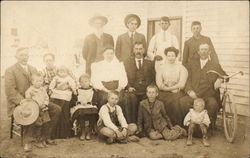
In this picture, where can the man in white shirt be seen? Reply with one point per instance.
(162, 40)
(112, 123)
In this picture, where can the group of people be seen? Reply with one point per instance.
(128, 91)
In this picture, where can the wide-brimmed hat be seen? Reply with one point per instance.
(27, 112)
(103, 18)
(127, 18)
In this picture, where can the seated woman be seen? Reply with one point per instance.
(153, 120)
(108, 74)
(171, 78)
(112, 123)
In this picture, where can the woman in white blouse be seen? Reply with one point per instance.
(108, 74)
(171, 78)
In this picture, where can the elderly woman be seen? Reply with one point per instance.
(108, 74)
(171, 78)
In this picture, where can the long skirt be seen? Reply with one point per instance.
(172, 106)
(64, 125)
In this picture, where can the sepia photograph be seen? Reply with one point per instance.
(124, 79)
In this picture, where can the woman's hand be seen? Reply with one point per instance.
(131, 89)
(192, 94)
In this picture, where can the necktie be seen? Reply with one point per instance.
(164, 36)
(139, 64)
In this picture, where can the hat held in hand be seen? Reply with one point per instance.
(27, 112)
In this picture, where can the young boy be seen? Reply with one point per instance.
(197, 116)
(112, 123)
(85, 109)
(153, 120)
(39, 94)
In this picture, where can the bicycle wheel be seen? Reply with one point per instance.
(229, 117)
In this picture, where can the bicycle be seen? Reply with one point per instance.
(229, 110)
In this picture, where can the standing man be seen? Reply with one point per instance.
(160, 41)
(96, 42)
(17, 81)
(201, 84)
(191, 46)
(140, 73)
(125, 42)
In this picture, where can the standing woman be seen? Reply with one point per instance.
(171, 78)
(108, 74)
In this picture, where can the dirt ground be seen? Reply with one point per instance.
(145, 148)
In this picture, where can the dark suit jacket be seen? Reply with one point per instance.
(148, 69)
(17, 81)
(194, 75)
(90, 48)
(156, 119)
(191, 47)
(124, 45)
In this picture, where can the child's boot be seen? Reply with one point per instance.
(88, 133)
(204, 133)
(82, 137)
(205, 141)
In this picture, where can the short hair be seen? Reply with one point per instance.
(37, 74)
(83, 77)
(153, 86)
(203, 43)
(138, 43)
(171, 49)
(199, 100)
(21, 49)
(195, 23)
(131, 19)
(165, 18)
(108, 47)
(113, 92)
(49, 54)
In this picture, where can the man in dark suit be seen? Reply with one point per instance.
(95, 43)
(202, 84)
(17, 81)
(191, 46)
(125, 42)
(140, 73)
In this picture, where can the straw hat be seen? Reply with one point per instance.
(129, 16)
(27, 112)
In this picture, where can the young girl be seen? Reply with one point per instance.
(85, 109)
(38, 93)
(61, 88)
(197, 116)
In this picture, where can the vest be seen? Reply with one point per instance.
(140, 82)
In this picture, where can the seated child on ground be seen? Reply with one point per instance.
(197, 116)
(85, 110)
(39, 94)
(153, 120)
(112, 123)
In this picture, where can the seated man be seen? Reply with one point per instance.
(112, 123)
(202, 84)
(153, 120)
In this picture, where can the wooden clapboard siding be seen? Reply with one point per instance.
(230, 36)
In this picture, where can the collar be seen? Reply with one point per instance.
(204, 61)
(98, 34)
(130, 33)
(162, 31)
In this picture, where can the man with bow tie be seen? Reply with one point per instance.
(140, 73)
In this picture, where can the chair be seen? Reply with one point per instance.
(16, 129)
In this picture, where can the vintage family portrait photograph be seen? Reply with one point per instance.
(124, 79)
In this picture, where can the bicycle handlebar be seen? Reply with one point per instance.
(225, 77)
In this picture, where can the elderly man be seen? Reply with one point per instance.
(191, 46)
(140, 74)
(17, 81)
(125, 42)
(96, 42)
(201, 84)
(162, 40)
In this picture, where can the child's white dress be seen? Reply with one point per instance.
(197, 118)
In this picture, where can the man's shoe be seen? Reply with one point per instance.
(133, 139)
(110, 140)
(27, 147)
(50, 142)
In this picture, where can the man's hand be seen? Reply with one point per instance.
(158, 58)
(217, 83)
(192, 94)
(131, 89)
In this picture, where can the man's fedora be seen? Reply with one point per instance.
(129, 16)
(103, 18)
(27, 112)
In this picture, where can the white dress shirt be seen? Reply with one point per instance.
(25, 67)
(157, 45)
(203, 62)
(131, 33)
